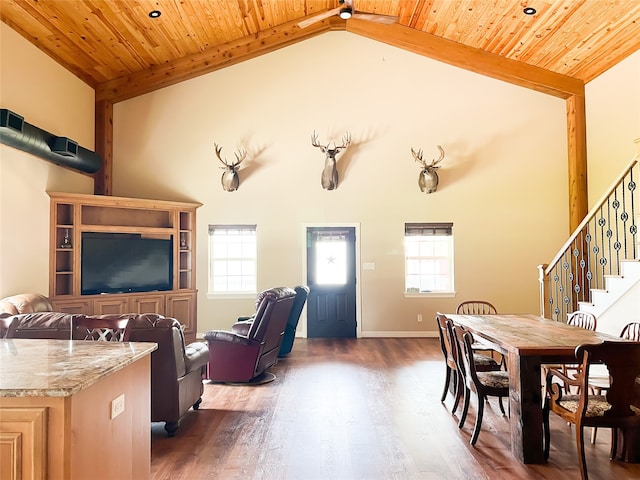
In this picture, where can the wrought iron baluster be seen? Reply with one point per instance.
(609, 234)
(616, 243)
(606, 237)
(633, 229)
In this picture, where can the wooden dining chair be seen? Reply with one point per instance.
(584, 320)
(451, 370)
(453, 375)
(480, 307)
(617, 408)
(107, 329)
(578, 319)
(476, 307)
(631, 331)
(599, 380)
(484, 384)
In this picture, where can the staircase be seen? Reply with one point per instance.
(619, 302)
(598, 268)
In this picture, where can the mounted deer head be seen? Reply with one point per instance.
(230, 180)
(330, 172)
(428, 180)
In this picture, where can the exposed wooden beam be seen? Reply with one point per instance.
(103, 178)
(469, 58)
(577, 153)
(210, 60)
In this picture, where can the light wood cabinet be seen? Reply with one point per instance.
(111, 305)
(76, 436)
(149, 303)
(75, 214)
(183, 307)
(83, 306)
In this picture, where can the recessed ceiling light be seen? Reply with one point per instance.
(529, 11)
(346, 13)
(155, 13)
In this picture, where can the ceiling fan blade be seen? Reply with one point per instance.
(374, 17)
(318, 18)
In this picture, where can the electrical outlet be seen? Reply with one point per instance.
(419, 317)
(117, 406)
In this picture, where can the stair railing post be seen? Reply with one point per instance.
(545, 309)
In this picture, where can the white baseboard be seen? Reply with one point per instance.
(391, 334)
(396, 334)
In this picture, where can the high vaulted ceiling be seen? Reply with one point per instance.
(118, 49)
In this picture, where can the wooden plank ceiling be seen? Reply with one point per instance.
(115, 46)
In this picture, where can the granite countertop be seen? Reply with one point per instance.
(61, 368)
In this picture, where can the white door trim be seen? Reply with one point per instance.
(302, 325)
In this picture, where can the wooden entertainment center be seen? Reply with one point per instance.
(74, 214)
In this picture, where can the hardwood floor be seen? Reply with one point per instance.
(357, 409)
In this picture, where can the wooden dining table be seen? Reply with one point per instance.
(527, 342)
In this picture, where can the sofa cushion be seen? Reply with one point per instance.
(49, 325)
(196, 355)
(25, 303)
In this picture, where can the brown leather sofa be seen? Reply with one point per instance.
(176, 369)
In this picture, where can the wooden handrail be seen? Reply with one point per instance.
(594, 250)
(591, 214)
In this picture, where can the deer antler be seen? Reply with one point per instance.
(418, 157)
(435, 162)
(240, 156)
(314, 142)
(346, 141)
(218, 151)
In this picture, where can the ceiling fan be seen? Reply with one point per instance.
(346, 11)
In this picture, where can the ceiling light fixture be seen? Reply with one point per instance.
(529, 11)
(345, 13)
(155, 13)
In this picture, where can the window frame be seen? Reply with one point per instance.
(211, 282)
(430, 229)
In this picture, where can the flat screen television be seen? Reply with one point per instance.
(122, 263)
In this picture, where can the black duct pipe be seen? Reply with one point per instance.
(17, 133)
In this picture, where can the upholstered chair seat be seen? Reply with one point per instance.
(494, 379)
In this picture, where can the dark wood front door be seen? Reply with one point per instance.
(331, 277)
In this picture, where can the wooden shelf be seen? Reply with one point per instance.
(159, 231)
(74, 214)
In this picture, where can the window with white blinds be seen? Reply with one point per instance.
(428, 251)
(232, 259)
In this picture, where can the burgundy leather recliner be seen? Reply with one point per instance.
(243, 324)
(237, 358)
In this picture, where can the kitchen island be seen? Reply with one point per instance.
(75, 409)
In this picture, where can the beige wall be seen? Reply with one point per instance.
(51, 98)
(503, 181)
(613, 124)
